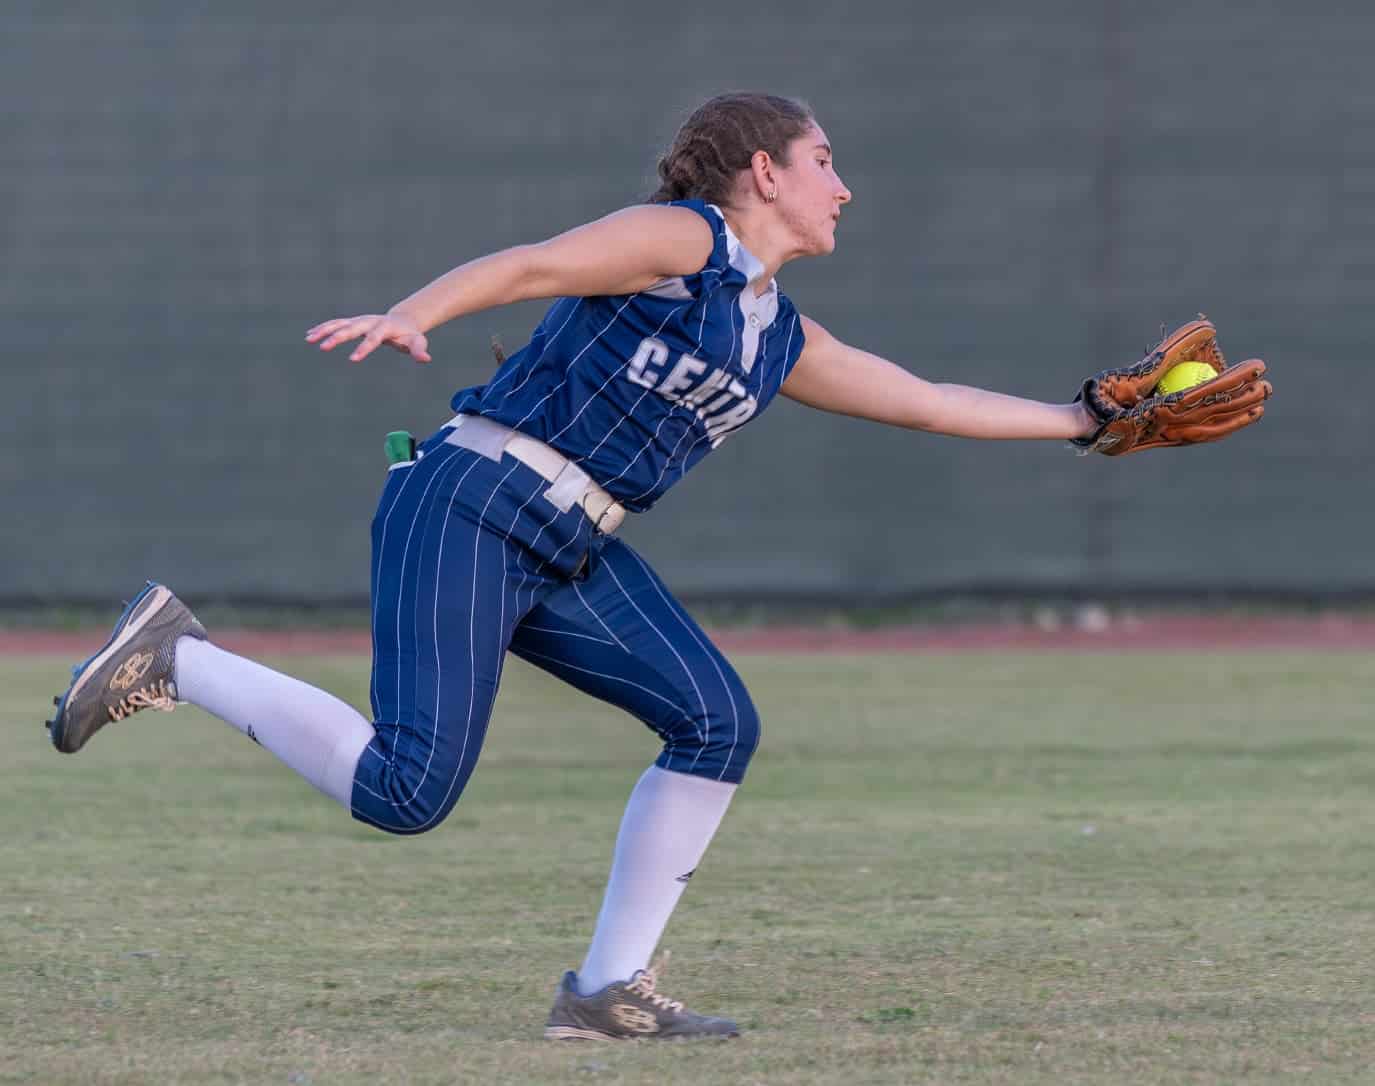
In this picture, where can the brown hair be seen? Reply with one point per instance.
(721, 137)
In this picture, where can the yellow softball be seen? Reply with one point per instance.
(1185, 375)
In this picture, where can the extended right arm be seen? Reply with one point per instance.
(625, 252)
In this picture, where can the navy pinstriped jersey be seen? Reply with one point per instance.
(638, 388)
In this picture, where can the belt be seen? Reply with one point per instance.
(569, 484)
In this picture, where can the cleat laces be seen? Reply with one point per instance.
(647, 980)
(157, 696)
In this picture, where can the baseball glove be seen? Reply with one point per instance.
(1131, 417)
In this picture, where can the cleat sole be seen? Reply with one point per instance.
(573, 1033)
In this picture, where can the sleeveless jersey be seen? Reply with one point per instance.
(637, 388)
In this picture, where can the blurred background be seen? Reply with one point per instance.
(1039, 188)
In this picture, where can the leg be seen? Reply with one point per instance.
(446, 596)
(440, 627)
(158, 653)
(622, 637)
(444, 610)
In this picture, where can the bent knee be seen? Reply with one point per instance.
(719, 746)
(746, 742)
(404, 802)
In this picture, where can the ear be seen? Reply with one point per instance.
(762, 172)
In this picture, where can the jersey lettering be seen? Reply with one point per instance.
(727, 412)
(707, 388)
(683, 376)
(736, 417)
(650, 352)
(638, 388)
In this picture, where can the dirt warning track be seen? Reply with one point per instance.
(1334, 633)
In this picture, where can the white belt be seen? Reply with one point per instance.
(569, 484)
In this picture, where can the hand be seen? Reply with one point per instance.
(393, 329)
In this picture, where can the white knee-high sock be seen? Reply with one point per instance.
(668, 823)
(313, 732)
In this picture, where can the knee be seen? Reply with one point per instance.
(747, 740)
(404, 799)
(719, 744)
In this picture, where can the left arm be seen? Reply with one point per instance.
(834, 376)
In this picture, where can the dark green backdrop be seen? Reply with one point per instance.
(1038, 187)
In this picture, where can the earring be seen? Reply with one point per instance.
(771, 197)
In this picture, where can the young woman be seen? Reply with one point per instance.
(668, 333)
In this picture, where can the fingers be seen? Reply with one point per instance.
(375, 337)
(332, 333)
(326, 327)
(375, 330)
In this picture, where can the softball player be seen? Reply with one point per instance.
(668, 333)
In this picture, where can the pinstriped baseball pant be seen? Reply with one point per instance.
(470, 561)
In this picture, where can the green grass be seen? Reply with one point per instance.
(967, 869)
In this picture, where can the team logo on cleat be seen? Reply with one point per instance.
(629, 1016)
(131, 671)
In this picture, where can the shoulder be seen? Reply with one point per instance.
(707, 226)
(709, 215)
(691, 237)
(689, 234)
(688, 220)
(626, 251)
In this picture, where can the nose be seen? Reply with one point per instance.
(843, 193)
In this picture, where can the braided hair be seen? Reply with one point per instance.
(717, 142)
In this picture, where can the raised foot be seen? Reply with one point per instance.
(131, 672)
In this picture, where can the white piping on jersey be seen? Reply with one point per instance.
(598, 617)
(618, 371)
(758, 310)
(567, 372)
(525, 626)
(703, 736)
(630, 414)
(693, 402)
(376, 579)
(707, 650)
(439, 665)
(615, 679)
(782, 370)
(531, 371)
(441, 473)
(667, 463)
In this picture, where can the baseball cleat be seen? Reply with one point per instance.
(132, 671)
(627, 1010)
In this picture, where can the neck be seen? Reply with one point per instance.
(763, 235)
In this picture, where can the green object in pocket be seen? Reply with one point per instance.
(400, 447)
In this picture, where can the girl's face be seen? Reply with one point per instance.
(811, 193)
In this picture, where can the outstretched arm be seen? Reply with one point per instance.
(627, 251)
(834, 376)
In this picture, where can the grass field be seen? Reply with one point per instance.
(942, 869)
